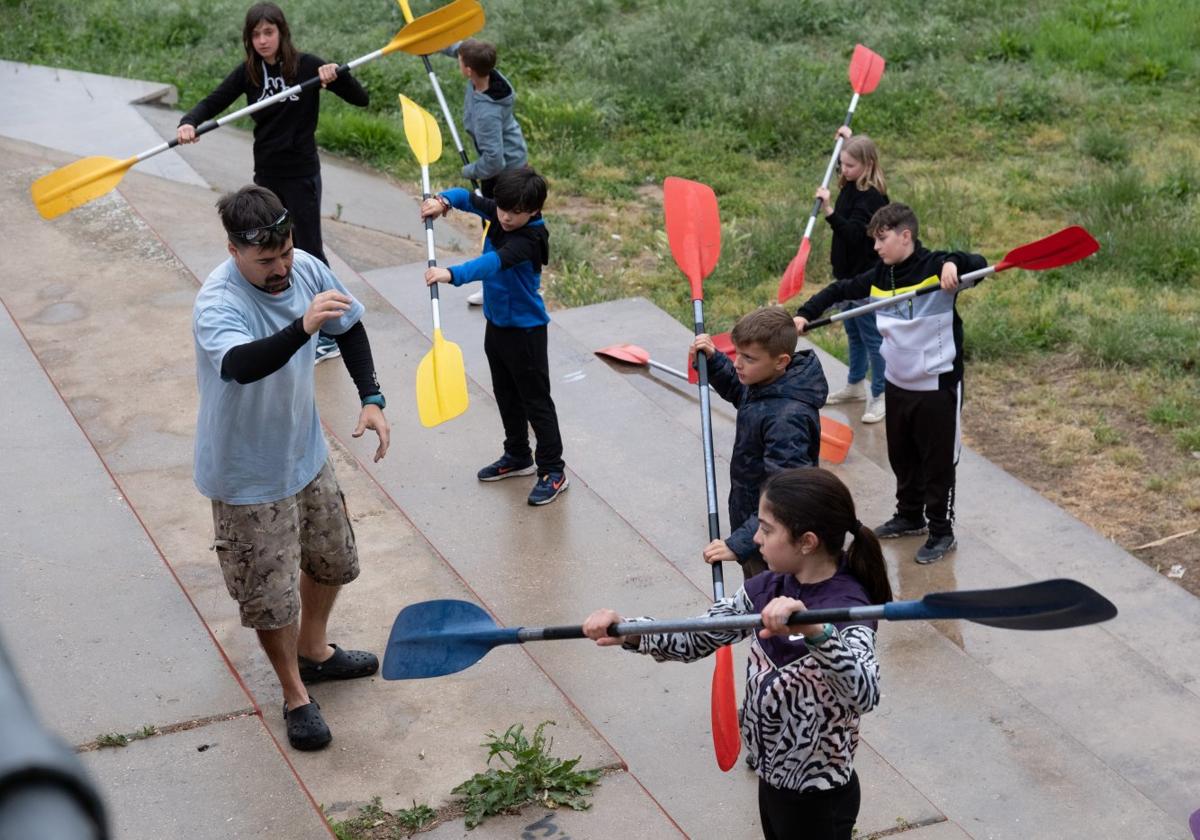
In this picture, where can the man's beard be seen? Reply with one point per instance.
(277, 283)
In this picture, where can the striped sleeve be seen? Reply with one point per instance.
(847, 660)
(688, 647)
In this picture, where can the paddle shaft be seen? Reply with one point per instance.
(965, 282)
(837, 150)
(921, 610)
(432, 255)
(704, 624)
(678, 374)
(213, 125)
(437, 90)
(710, 470)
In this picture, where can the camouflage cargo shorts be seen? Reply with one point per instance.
(263, 548)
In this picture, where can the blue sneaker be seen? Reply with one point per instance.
(506, 467)
(327, 348)
(548, 488)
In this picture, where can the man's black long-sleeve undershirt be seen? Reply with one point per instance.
(258, 359)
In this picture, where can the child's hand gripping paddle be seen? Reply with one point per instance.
(441, 374)
(435, 638)
(68, 187)
(866, 69)
(694, 234)
(1071, 244)
(836, 437)
(437, 90)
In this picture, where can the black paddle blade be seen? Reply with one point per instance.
(435, 638)
(1046, 605)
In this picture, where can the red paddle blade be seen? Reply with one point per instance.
(1063, 248)
(727, 737)
(793, 277)
(836, 439)
(724, 344)
(630, 353)
(693, 229)
(866, 69)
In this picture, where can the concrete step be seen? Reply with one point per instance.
(37, 103)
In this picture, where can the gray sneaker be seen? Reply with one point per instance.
(852, 391)
(900, 526)
(935, 548)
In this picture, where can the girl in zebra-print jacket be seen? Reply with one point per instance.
(806, 685)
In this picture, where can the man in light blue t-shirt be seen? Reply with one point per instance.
(283, 537)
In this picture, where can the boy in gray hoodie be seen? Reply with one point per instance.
(488, 116)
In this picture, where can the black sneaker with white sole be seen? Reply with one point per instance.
(936, 548)
(507, 467)
(900, 526)
(548, 487)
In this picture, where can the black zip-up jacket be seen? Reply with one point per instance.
(778, 427)
(916, 320)
(285, 142)
(851, 251)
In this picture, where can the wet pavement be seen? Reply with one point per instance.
(981, 732)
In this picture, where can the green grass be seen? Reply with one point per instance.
(998, 121)
(530, 774)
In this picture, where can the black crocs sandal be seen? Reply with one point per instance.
(343, 665)
(306, 729)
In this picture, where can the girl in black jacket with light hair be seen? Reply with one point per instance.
(863, 190)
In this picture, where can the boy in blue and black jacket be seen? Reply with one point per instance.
(510, 268)
(923, 351)
(777, 392)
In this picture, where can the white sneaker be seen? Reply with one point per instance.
(876, 410)
(852, 391)
(475, 298)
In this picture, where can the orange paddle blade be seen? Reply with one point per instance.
(630, 353)
(693, 229)
(727, 736)
(724, 344)
(866, 69)
(836, 438)
(793, 277)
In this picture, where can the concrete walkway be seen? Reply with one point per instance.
(982, 733)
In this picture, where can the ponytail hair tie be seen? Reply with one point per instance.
(856, 527)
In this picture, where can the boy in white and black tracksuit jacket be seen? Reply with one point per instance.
(923, 352)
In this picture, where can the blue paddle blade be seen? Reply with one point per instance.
(435, 638)
(1046, 605)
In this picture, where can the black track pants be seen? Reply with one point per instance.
(923, 446)
(813, 815)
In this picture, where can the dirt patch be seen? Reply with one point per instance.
(1079, 436)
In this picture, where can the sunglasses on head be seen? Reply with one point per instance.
(256, 236)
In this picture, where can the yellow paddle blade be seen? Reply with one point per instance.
(424, 136)
(77, 183)
(441, 383)
(439, 29)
